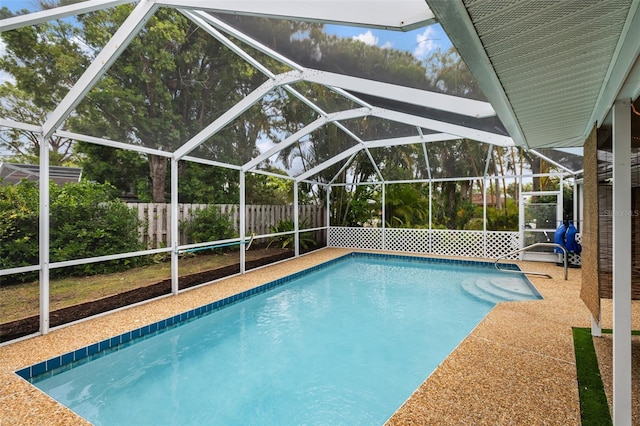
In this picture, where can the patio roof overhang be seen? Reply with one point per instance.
(552, 70)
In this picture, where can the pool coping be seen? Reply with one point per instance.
(68, 360)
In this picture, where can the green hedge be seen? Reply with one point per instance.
(208, 224)
(85, 221)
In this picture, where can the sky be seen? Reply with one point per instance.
(15, 5)
(420, 42)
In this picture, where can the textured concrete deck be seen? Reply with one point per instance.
(517, 367)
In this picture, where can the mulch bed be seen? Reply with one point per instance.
(25, 326)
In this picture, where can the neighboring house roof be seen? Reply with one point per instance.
(14, 173)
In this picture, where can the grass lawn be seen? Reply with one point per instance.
(594, 409)
(22, 300)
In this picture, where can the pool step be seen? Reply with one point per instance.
(498, 289)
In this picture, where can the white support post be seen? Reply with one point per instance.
(296, 219)
(426, 159)
(243, 221)
(622, 263)
(175, 238)
(44, 235)
(328, 212)
(574, 208)
(430, 216)
(487, 161)
(384, 214)
(484, 215)
(596, 326)
(560, 212)
(521, 218)
(521, 221)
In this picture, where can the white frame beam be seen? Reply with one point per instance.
(374, 144)
(221, 25)
(107, 56)
(228, 116)
(443, 127)
(405, 14)
(395, 92)
(20, 126)
(290, 140)
(197, 18)
(111, 143)
(58, 13)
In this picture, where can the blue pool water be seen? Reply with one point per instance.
(345, 344)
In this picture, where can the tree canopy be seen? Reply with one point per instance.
(174, 79)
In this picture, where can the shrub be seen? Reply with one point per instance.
(85, 221)
(287, 225)
(208, 224)
(19, 206)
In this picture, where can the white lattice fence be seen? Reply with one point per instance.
(409, 240)
(501, 243)
(457, 243)
(444, 242)
(362, 238)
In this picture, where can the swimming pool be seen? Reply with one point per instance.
(344, 343)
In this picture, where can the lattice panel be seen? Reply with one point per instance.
(362, 238)
(575, 259)
(457, 243)
(500, 243)
(444, 242)
(407, 240)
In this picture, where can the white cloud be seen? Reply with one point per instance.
(387, 45)
(367, 38)
(425, 43)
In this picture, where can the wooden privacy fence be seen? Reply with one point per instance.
(156, 233)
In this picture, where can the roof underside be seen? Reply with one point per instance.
(550, 70)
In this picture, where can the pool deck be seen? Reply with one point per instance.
(516, 367)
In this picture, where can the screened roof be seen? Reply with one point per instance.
(353, 101)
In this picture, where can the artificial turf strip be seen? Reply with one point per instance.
(594, 409)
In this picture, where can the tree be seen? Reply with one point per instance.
(406, 206)
(171, 82)
(125, 171)
(206, 184)
(45, 61)
(265, 189)
(18, 105)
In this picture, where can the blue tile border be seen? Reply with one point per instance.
(86, 354)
